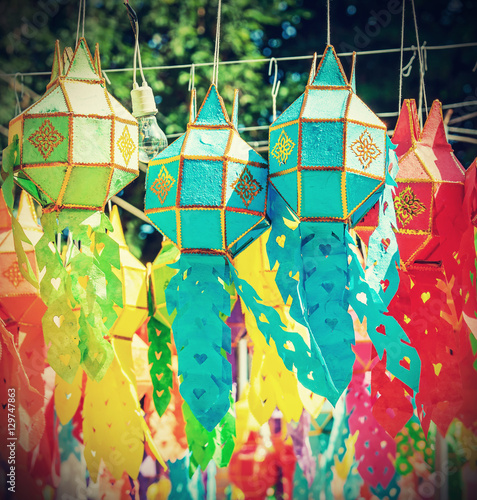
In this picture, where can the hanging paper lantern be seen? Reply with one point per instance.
(78, 144)
(428, 203)
(159, 325)
(76, 147)
(210, 179)
(253, 468)
(20, 301)
(328, 141)
(271, 384)
(329, 161)
(429, 176)
(207, 193)
(132, 274)
(111, 406)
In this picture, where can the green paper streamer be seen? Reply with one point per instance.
(91, 286)
(160, 358)
(217, 444)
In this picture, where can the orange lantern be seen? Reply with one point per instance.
(20, 301)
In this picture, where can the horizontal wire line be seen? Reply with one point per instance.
(267, 60)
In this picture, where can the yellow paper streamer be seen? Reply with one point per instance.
(68, 396)
(271, 384)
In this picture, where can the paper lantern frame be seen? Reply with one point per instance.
(76, 130)
(303, 153)
(229, 216)
(419, 179)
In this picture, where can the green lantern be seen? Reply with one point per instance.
(78, 146)
(74, 149)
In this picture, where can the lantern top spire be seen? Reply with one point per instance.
(330, 72)
(425, 154)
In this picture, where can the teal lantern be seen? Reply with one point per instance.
(207, 193)
(329, 159)
(329, 142)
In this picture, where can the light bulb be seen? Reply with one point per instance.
(152, 139)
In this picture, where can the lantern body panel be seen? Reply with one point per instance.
(208, 189)
(428, 174)
(78, 145)
(319, 141)
(132, 275)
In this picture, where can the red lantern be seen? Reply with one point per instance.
(430, 185)
(253, 468)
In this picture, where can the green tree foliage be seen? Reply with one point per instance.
(174, 32)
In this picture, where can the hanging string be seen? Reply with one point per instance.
(275, 86)
(84, 15)
(406, 71)
(328, 35)
(18, 107)
(215, 74)
(402, 55)
(263, 60)
(133, 19)
(81, 17)
(191, 78)
(421, 66)
(79, 20)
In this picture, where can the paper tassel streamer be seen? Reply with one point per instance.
(205, 445)
(111, 406)
(20, 302)
(329, 161)
(302, 448)
(413, 449)
(132, 275)
(374, 447)
(207, 193)
(168, 430)
(159, 326)
(271, 384)
(428, 204)
(77, 147)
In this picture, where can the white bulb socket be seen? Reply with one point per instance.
(143, 102)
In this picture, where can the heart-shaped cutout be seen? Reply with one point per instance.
(381, 329)
(425, 296)
(325, 249)
(58, 320)
(200, 358)
(437, 368)
(385, 242)
(331, 322)
(328, 286)
(198, 393)
(65, 358)
(281, 240)
(55, 282)
(384, 284)
(83, 281)
(99, 248)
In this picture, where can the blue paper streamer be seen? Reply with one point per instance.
(201, 336)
